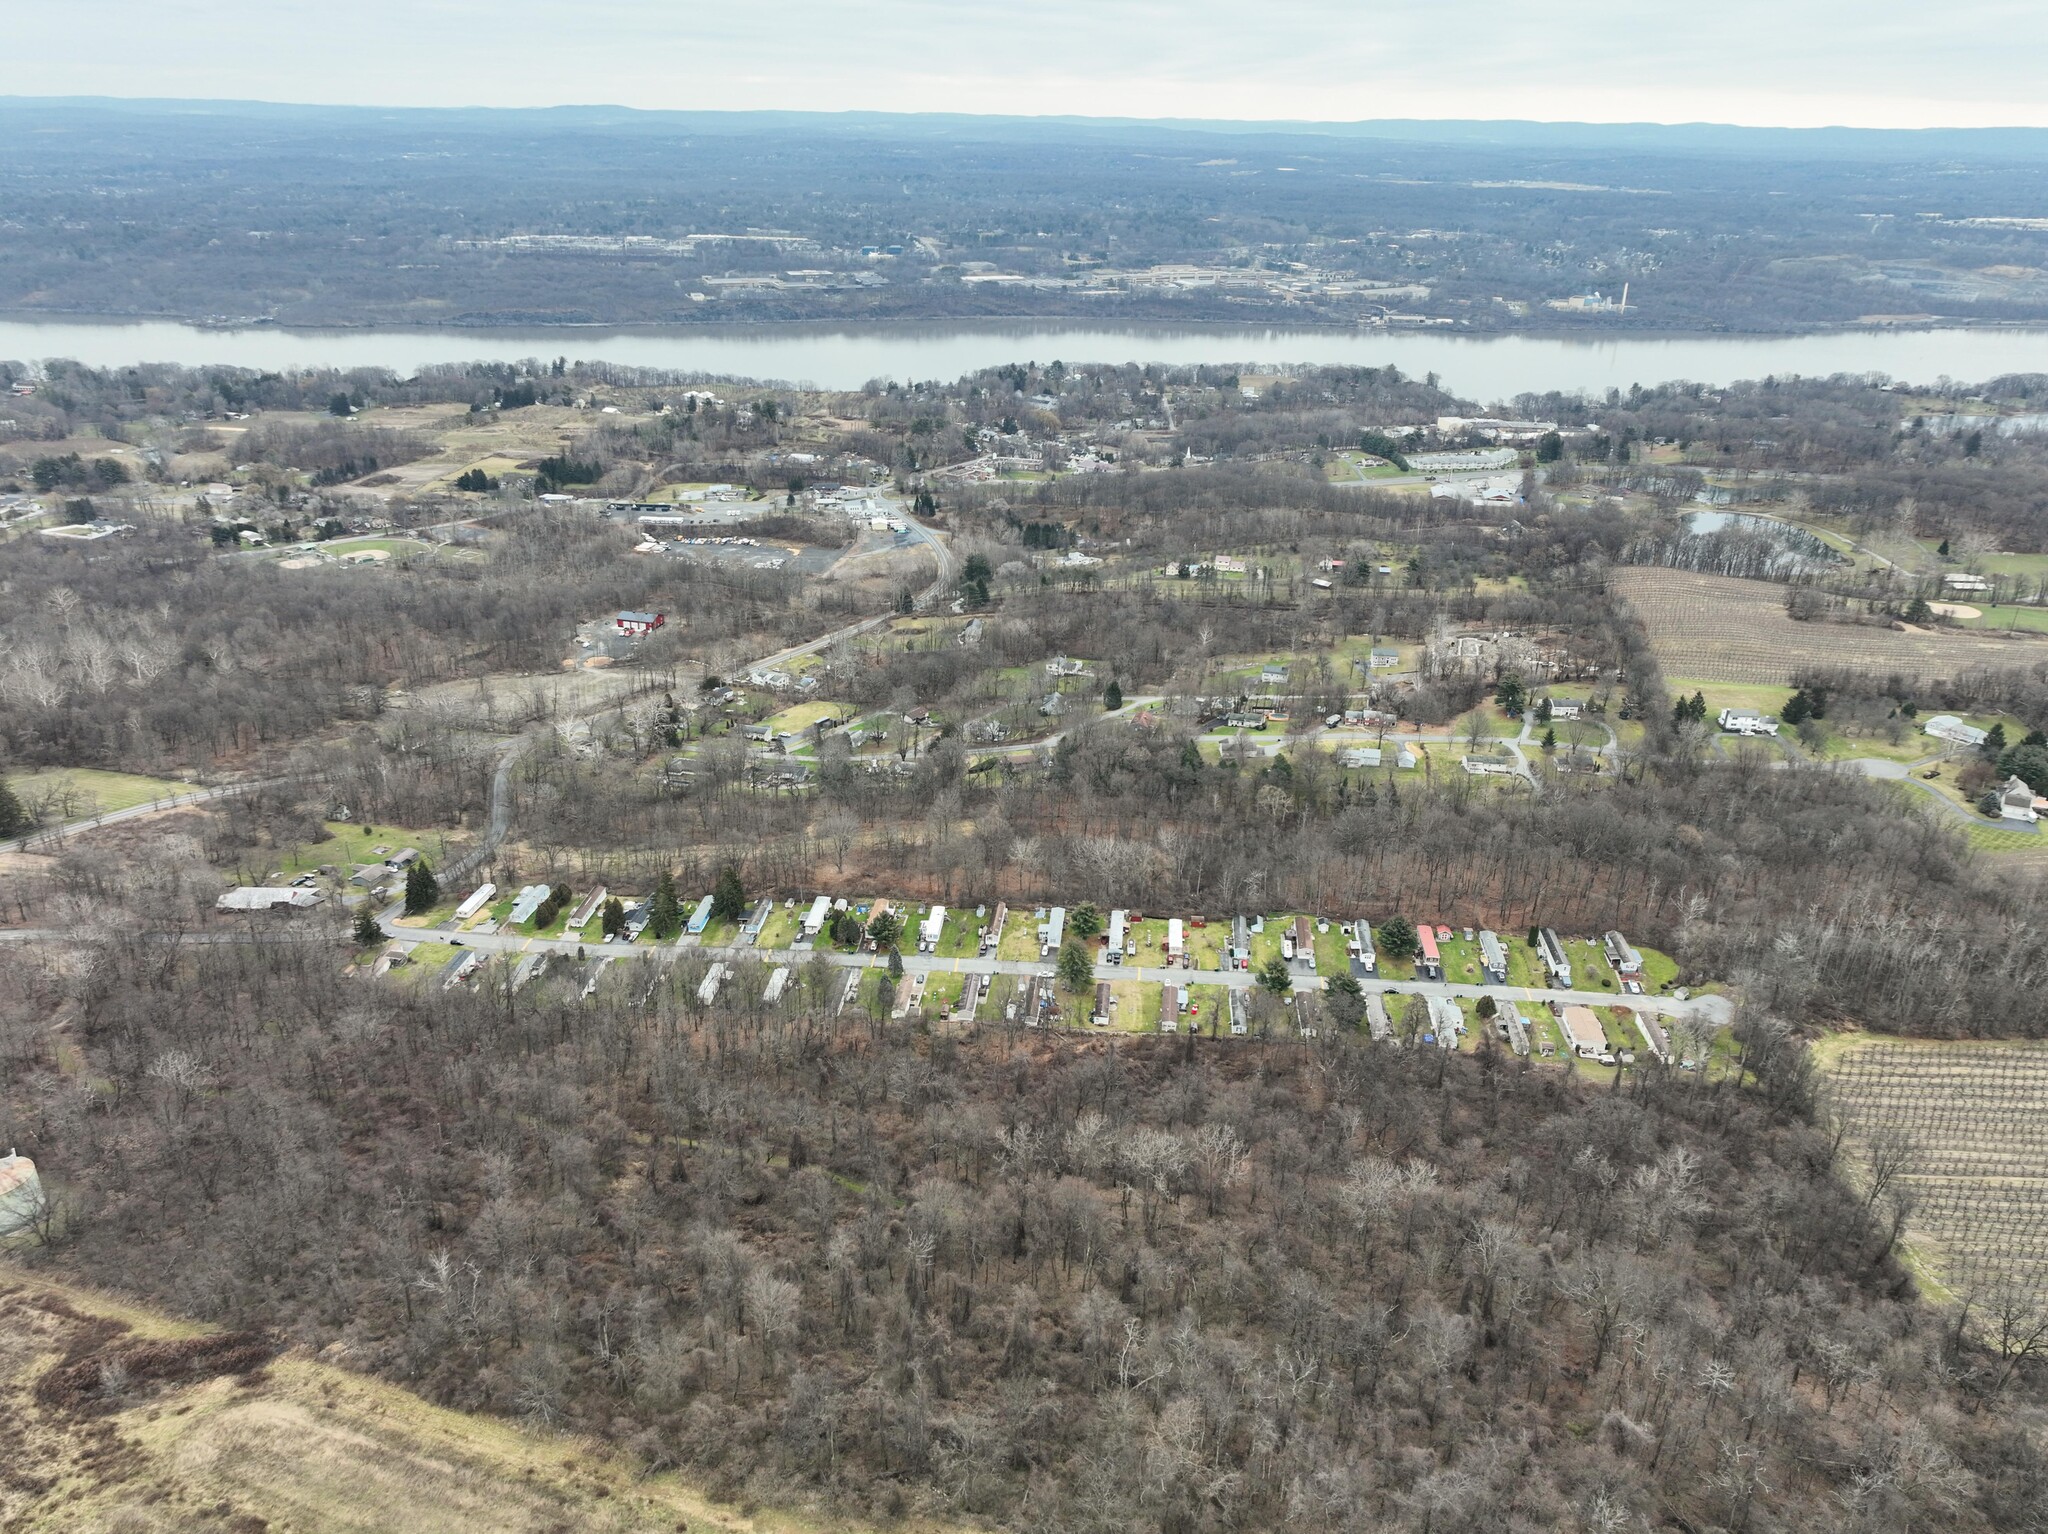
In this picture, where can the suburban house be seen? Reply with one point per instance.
(633, 625)
(1626, 961)
(1493, 958)
(1383, 660)
(1951, 729)
(1272, 676)
(2016, 801)
(1446, 1021)
(1429, 961)
(1554, 960)
(1582, 1029)
(1498, 763)
(1245, 719)
(1059, 665)
(1359, 756)
(1566, 708)
(1747, 721)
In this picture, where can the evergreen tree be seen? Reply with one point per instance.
(367, 933)
(665, 916)
(1274, 977)
(1112, 696)
(1084, 921)
(1397, 938)
(728, 898)
(13, 818)
(895, 965)
(613, 917)
(422, 889)
(1543, 711)
(1549, 739)
(1076, 968)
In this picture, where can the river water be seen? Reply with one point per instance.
(1489, 369)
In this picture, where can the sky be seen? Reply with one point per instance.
(1785, 63)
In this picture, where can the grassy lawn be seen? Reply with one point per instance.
(1989, 836)
(1660, 970)
(76, 792)
(1266, 945)
(1330, 956)
(1461, 961)
(351, 844)
(1208, 1009)
(960, 938)
(1020, 936)
(1205, 943)
(782, 927)
(1137, 1006)
(1590, 969)
(431, 919)
(942, 991)
(801, 716)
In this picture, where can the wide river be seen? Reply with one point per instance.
(845, 356)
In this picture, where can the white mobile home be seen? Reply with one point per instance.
(1446, 1021)
(1363, 955)
(1493, 958)
(1554, 960)
(816, 917)
(1508, 1018)
(1114, 950)
(1626, 961)
(1240, 955)
(992, 934)
(1176, 943)
(708, 991)
(931, 929)
(777, 982)
(477, 899)
(1169, 1009)
(1053, 933)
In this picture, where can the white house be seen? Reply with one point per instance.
(1747, 721)
(1965, 583)
(1951, 729)
(2016, 801)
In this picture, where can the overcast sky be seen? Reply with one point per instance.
(1798, 63)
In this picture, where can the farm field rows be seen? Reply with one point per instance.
(1719, 629)
(1975, 1146)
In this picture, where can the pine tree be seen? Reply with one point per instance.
(1076, 968)
(1274, 977)
(1112, 696)
(665, 916)
(422, 889)
(1549, 739)
(728, 897)
(895, 965)
(368, 933)
(13, 818)
(614, 917)
(1397, 937)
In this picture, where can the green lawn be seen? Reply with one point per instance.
(780, 930)
(1590, 969)
(73, 793)
(1660, 970)
(1210, 1009)
(352, 844)
(2034, 619)
(1461, 961)
(1330, 956)
(1991, 836)
(960, 938)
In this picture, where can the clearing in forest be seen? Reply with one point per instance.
(226, 1431)
(1726, 630)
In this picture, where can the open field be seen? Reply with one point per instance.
(1724, 630)
(1975, 1149)
(242, 1439)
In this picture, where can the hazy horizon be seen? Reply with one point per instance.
(1884, 64)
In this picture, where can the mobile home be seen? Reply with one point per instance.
(1169, 1009)
(1507, 1017)
(992, 934)
(1428, 961)
(586, 908)
(1493, 959)
(816, 917)
(970, 998)
(1446, 1021)
(1176, 944)
(1654, 1036)
(876, 912)
(1582, 1029)
(1114, 949)
(1363, 957)
(700, 918)
(756, 922)
(1100, 1016)
(708, 991)
(1053, 933)
(1240, 955)
(931, 929)
(1628, 964)
(1554, 960)
(1376, 1020)
(476, 901)
(1304, 943)
(777, 983)
(1240, 1014)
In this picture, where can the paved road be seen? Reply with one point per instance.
(1715, 1009)
(56, 834)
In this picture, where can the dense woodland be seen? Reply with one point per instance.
(331, 216)
(1058, 1287)
(1038, 1283)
